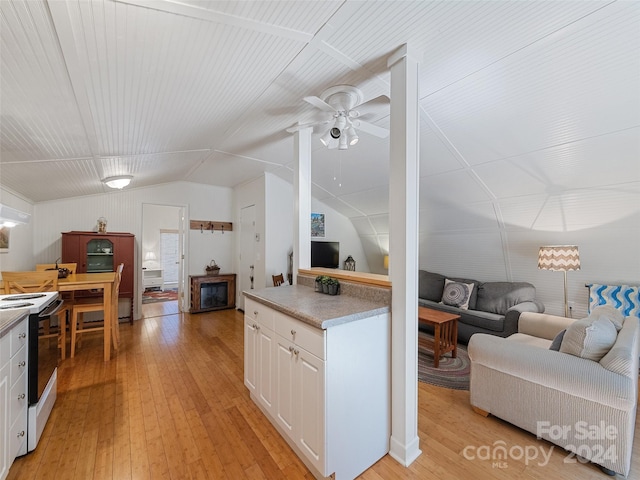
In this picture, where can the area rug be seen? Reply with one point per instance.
(452, 373)
(153, 296)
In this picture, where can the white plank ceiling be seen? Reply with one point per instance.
(525, 104)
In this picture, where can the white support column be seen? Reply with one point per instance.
(403, 254)
(302, 201)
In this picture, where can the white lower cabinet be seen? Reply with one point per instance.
(328, 394)
(299, 400)
(13, 395)
(259, 353)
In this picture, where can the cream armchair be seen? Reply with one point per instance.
(585, 406)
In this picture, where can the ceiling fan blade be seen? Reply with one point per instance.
(377, 105)
(300, 126)
(371, 128)
(319, 103)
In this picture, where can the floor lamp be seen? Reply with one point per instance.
(560, 258)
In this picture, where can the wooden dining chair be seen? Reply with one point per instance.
(36, 282)
(30, 282)
(68, 297)
(278, 280)
(81, 307)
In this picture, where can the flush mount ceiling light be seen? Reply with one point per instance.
(341, 101)
(118, 182)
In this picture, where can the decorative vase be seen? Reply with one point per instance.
(333, 289)
(325, 288)
(318, 286)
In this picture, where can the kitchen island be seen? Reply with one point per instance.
(318, 366)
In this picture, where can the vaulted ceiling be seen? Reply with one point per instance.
(524, 104)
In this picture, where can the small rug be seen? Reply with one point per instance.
(451, 373)
(153, 296)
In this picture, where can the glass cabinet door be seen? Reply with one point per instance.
(99, 256)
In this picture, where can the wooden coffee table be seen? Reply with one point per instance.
(445, 334)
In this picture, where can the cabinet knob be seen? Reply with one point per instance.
(293, 332)
(21, 396)
(21, 434)
(22, 363)
(255, 312)
(291, 349)
(296, 352)
(22, 335)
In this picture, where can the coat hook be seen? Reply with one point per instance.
(201, 229)
(222, 228)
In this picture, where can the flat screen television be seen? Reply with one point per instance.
(325, 254)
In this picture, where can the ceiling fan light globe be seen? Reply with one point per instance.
(335, 132)
(326, 138)
(343, 143)
(353, 136)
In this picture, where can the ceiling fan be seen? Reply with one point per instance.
(341, 102)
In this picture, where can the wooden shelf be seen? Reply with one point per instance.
(355, 277)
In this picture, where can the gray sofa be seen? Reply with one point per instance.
(494, 307)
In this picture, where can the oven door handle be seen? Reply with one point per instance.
(51, 309)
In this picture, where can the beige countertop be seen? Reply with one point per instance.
(9, 318)
(316, 309)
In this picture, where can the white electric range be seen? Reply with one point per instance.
(42, 359)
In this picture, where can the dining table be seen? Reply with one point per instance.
(91, 281)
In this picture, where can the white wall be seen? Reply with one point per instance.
(20, 254)
(273, 198)
(339, 228)
(458, 244)
(279, 227)
(123, 211)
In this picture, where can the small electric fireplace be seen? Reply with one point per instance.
(212, 292)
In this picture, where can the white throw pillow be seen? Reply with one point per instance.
(456, 294)
(589, 338)
(610, 312)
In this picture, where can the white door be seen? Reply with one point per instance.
(247, 252)
(170, 257)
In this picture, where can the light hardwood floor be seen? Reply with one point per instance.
(172, 404)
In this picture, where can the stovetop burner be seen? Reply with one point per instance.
(26, 296)
(16, 305)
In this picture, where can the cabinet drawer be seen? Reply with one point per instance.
(152, 282)
(259, 312)
(18, 434)
(18, 398)
(303, 335)
(18, 365)
(18, 336)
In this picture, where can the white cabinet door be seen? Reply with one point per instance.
(284, 384)
(265, 367)
(250, 354)
(310, 402)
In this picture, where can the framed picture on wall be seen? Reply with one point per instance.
(4, 239)
(317, 224)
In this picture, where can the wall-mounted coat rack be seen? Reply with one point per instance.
(210, 226)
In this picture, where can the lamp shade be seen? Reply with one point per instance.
(150, 256)
(559, 258)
